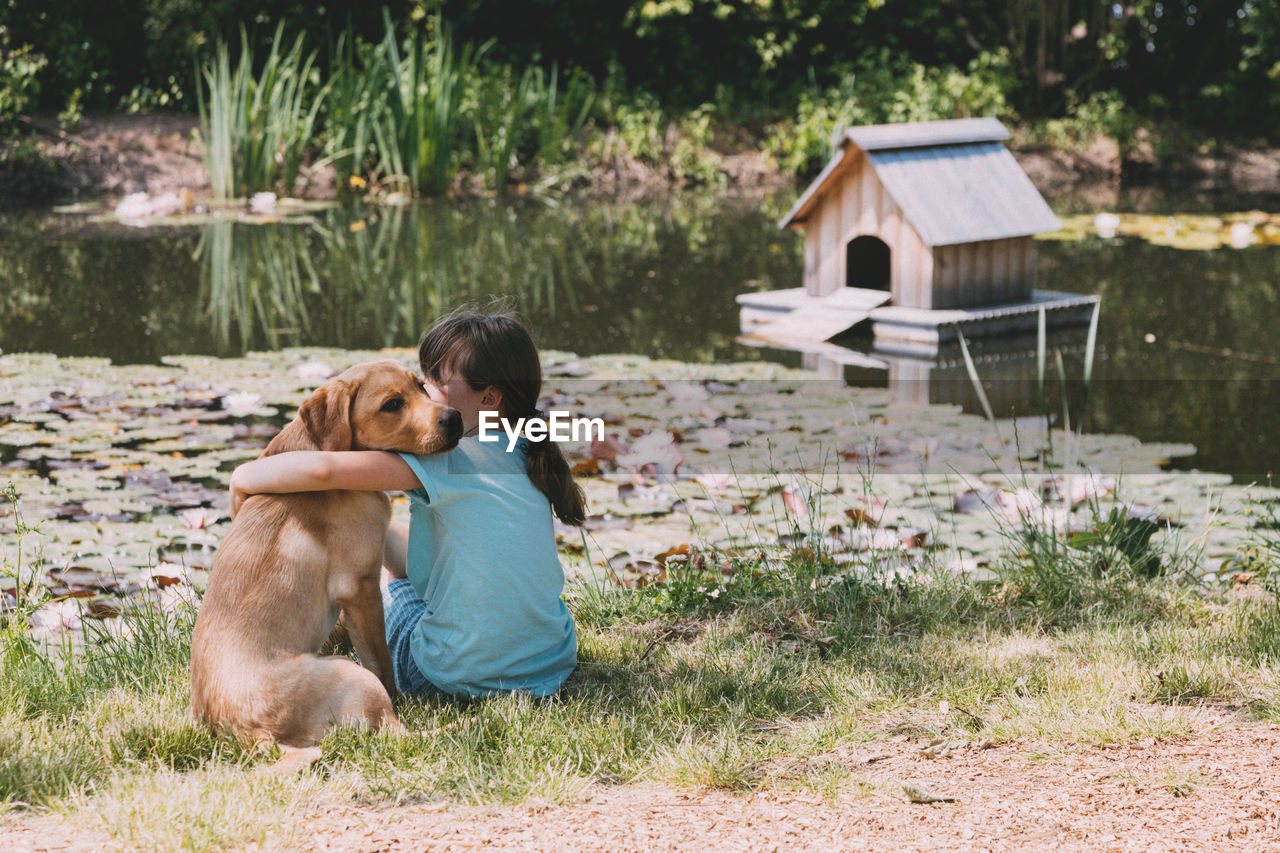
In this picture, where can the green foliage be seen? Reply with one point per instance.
(1259, 554)
(19, 86)
(503, 108)
(691, 157)
(145, 98)
(419, 129)
(882, 89)
(355, 98)
(1104, 114)
(1054, 55)
(150, 52)
(257, 129)
(560, 115)
(680, 147)
(1120, 540)
(23, 584)
(1056, 571)
(414, 111)
(70, 115)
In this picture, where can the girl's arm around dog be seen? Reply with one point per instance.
(320, 470)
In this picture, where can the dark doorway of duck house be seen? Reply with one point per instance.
(867, 263)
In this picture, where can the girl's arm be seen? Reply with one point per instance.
(318, 470)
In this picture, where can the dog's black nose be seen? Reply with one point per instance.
(451, 424)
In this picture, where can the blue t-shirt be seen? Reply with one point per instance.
(482, 555)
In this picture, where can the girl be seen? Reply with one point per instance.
(472, 589)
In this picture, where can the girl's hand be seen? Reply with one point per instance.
(244, 485)
(237, 497)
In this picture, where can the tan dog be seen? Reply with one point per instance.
(290, 561)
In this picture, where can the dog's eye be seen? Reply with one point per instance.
(395, 404)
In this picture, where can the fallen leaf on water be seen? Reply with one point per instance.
(608, 449)
(634, 572)
(861, 518)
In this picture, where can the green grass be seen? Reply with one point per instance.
(736, 681)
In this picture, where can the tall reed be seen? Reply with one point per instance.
(415, 110)
(418, 133)
(356, 96)
(257, 129)
(562, 114)
(502, 121)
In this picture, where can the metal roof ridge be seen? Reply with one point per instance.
(925, 134)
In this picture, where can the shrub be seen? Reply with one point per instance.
(887, 89)
(18, 84)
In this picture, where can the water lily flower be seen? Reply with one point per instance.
(50, 620)
(1106, 224)
(796, 499)
(197, 518)
(314, 372)
(241, 402)
(263, 203)
(1242, 236)
(165, 204)
(177, 598)
(715, 438)
(715, 480)
(657, 449)
(134, 206)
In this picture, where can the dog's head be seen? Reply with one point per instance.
(379, 405)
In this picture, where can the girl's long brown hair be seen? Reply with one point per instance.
(495, 349)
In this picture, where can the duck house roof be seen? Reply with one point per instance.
(954, 180)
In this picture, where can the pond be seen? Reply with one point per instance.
(1187, 350)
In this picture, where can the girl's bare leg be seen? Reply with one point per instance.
(395, 552)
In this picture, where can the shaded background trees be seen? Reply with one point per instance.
(1204, 62)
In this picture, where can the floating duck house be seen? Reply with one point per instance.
(925, 230)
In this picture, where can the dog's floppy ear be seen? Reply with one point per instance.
(327, 415)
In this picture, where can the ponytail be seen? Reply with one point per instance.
(549, 471)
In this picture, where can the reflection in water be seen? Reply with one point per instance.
(1007, 368)
(592, 280)
(1187, 349)
(637, 278)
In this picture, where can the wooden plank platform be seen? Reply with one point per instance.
(792, 316)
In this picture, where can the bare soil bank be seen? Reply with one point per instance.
(113, 154)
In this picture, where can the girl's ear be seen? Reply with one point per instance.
(492, 398)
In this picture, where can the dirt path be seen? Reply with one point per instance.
(1217, 791)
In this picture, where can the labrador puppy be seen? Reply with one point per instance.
(291, 562)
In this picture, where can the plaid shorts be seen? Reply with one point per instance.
(401, 610)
